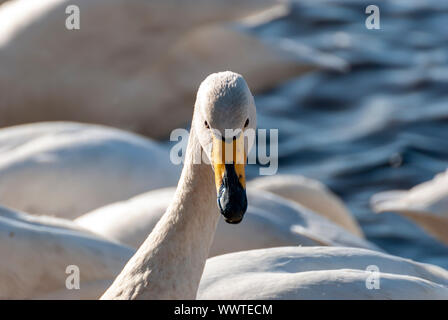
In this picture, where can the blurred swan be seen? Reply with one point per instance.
(319, 273)
(270, 221)
(66, 169)
(312, 194)
(426, 204)
(36, 251)
(146, 47)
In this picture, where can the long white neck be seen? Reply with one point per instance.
(169, 264)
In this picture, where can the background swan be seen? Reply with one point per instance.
(146, 47)
(35, 252)
(66, 169)
(318, 273)
(311, 194)
(426, 204)
(270, 221)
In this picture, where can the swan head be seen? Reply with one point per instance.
(225, 119)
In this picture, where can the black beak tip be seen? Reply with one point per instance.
(233, 221)
(232, 200)
(233, 211)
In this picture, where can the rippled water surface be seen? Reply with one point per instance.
(383, 124)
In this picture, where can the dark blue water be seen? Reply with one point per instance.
(383, 124)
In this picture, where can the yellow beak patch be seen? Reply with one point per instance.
(229, 154)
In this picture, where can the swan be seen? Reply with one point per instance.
(36, 252)
(146, 45)
(425, 204)
(319, 273)
(270, 221)
(65, 169)
(170, 262)
(312, 194)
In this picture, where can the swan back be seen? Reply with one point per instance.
(430, 197)
(318, 273)
(311, 194)
(123, 73)
(425, 204)
(36, 252)
(79, 167)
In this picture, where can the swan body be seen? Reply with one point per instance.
(270, 221)
(426, 204)
(318, 273)
(311, 194)
(146, 45)
(36, 252)
(66, 169)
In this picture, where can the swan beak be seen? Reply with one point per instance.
(230, 178)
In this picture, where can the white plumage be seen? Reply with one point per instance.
(312, 194)
(270, 221)
(36, 252)
(66, 169)
(425, 204)
(318, 273)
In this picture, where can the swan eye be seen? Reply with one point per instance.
(247, 123)
(206, 125)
